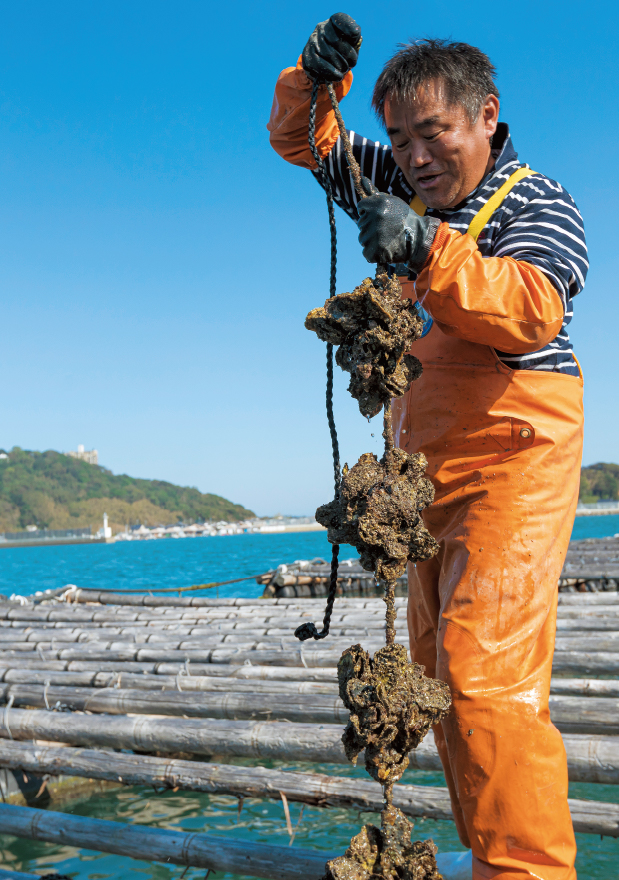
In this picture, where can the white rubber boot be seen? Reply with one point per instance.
(455, 866)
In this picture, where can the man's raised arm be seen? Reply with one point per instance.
(329, 55)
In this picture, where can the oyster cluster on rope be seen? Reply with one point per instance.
(377, 509)
(392, 706)
(378, 512)
(374, 328)
(386, 853)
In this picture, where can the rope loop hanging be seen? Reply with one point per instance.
(309, 630)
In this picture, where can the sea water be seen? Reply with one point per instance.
(183, 562)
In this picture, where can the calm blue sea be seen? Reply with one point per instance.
(180, 563)
(174, 563)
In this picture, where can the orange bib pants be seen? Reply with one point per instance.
(503, 450)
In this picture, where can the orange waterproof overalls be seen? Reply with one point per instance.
(504, 451)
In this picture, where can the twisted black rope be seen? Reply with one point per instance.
(308, 630)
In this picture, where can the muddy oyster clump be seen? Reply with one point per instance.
(378, 512)
(392, 706)
(386, 853)
(374, 328)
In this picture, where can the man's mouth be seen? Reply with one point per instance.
(425, 181)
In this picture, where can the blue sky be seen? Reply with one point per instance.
(157, 259)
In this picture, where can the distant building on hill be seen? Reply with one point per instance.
(89, 455)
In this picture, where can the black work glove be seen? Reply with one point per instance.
(333, 49)
(390, 232)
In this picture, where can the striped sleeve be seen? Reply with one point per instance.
(376, 162)
(540, 224)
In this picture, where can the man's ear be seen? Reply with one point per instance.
(490, 115)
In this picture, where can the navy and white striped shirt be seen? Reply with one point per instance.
(537, 222)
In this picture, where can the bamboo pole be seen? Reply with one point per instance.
(99, 642)
(597, 617)
(296, 656)
(55, 610)
(568, 713)
(246, 671)
(262, 740)
(571, 612)
(573, 633)
(601, 641)
(158, 631)
(587, 623)
(179, 682)
(87, 596)
(591, 715)
(587, 663)
(259, 782)
(93, 613)
(590, 758)
(605, 598)
(237, 619)
(223, 779)
(239, 628)
(586, 687)
(238, 679)
(596, 603)
(207, 851)
(319, 708)
(574, 663)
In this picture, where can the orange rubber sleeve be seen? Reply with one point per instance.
(288, 124)
(498, 301)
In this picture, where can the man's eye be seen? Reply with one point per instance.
(401, 146)
(432, 137)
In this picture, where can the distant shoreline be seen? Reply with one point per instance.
(602, 512)
(265, 530)
(54, 542)
(302, 527)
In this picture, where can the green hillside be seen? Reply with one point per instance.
(599, 482)
(55, 491)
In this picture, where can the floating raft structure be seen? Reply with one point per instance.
(592, 565)
(173, 681)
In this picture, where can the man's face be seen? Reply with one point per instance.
(442, 154)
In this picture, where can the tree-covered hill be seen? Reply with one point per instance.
(55, 491)
(599, 482)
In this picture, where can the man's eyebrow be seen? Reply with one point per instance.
(430, 120)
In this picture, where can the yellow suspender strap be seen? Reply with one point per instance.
(484, 214)
(417, 206)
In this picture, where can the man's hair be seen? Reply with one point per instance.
(466, 73)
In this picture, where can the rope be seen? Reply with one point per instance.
(353, 165)
(309, 630)
(71, 594)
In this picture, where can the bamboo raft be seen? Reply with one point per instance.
(591, 565)
(87, 673)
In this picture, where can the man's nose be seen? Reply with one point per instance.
(420, 156)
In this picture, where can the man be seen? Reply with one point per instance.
(498, 252)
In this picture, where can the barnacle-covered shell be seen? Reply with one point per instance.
(374, 329)
(386, 853)
(392, 706)
(378, 512)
